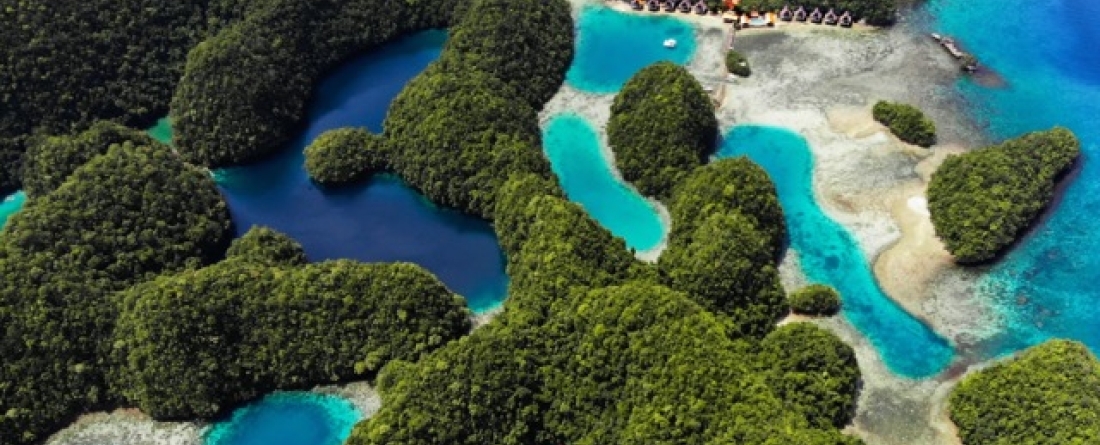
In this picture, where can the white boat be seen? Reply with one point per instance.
(670, 43)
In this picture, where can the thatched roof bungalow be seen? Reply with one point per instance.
(816, 16)
(701, 7)
(830, 17)
(685, 6)
(785, 14)
(846, 19)
(800, 14)
(670, 5)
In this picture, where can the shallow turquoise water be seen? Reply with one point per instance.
(573, 148)
(9, 205)
(162, 131)
(612, 46)
(287, 418)
(829, 255)
(1046, 287)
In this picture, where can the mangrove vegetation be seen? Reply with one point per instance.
(906, 122)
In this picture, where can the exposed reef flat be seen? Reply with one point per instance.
(131, 427)
(821, 83)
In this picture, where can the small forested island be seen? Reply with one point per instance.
(981, 202)
(907, 122)
(1047, 395)
(737, 64)
(345, 155)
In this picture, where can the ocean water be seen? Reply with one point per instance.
(573, 148)
(1046, 287)
(287, 418)
(9, 205)
(829, 255)
(612, 46)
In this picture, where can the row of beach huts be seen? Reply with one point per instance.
(787, 14)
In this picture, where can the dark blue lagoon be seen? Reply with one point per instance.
(287, 418)
(382, 220)
(612, 46)
(829, 255)
(573, 148)
(1046, 287)
(9, 205)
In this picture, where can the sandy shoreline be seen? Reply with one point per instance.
(821, 83)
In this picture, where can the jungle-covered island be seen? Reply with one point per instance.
(127, 283)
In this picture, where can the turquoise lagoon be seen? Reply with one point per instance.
(828, 254)
(382, 220)
(9, 205)
(287, 418)
(612, 46)
(573, 148)
(1047, 286)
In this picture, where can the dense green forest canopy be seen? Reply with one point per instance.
(244, 91)
(265, 246)
(346, 155)
(728, 268)
(731, 185)
(524, 43)
(590, 349)
(876, 12)
(66, 64)
(815, 299)
(982, 201)
(200, 342)
(662, 126)
(907, 122)
(623, 364)
(457, 135)
(126, 216)
(51, 159)
(1047, 395)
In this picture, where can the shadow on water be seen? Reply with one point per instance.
(828, 254)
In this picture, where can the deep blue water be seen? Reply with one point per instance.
(1046, 287)
(829, 255)
(612, 46)
(382, 220)
(573, 148)
(9, 205)
(287, 418)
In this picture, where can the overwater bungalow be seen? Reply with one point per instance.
(685, 6)
(701, 7)
(846, 19)
(816, 16)
(785, 14)
(669, 5)
(830, 17)
(800, 14)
